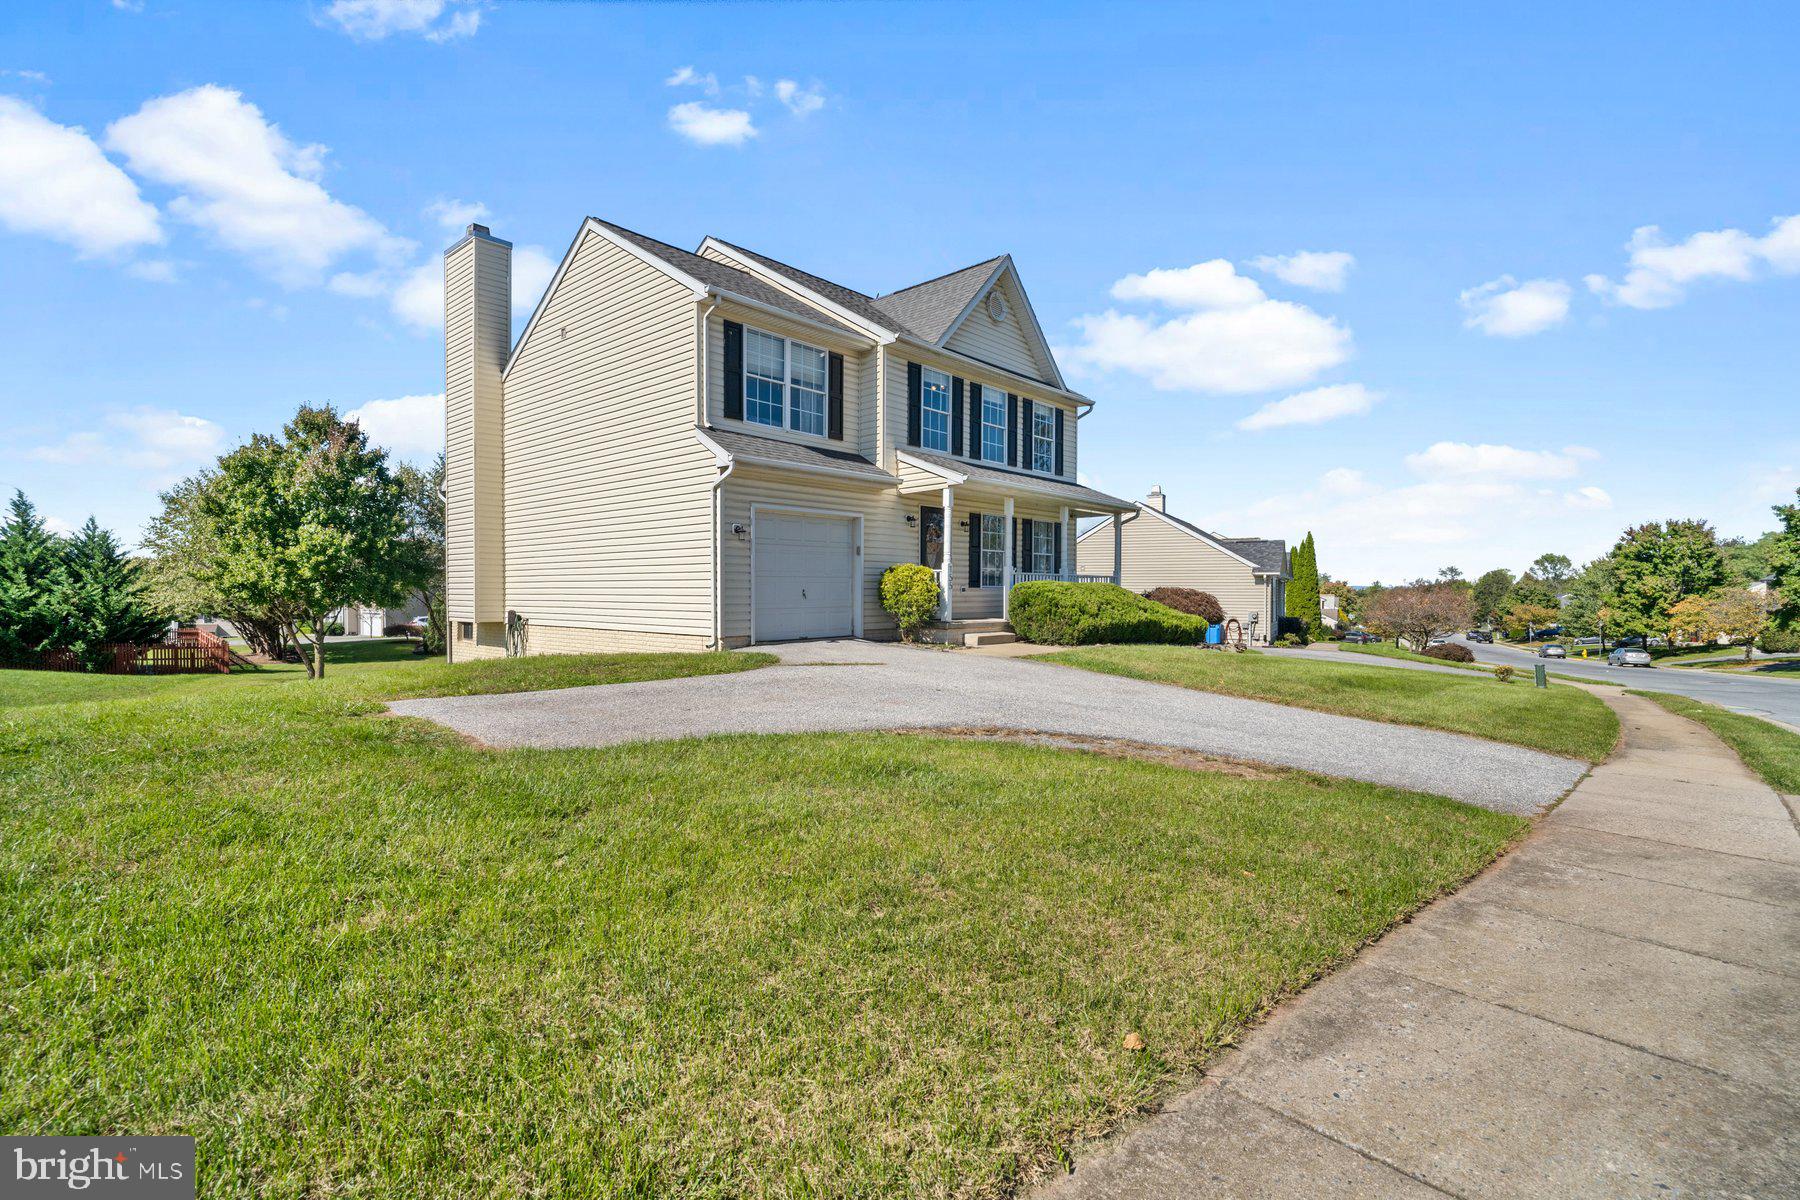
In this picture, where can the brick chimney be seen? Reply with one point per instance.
(477, 339)
(1157, 500)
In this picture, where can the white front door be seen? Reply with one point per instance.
(805, 576)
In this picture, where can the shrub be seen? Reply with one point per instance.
(1291, 640)
(402, 630)
(909, 593)
(1779, 641)
(1204, 605)
(1503, 674)
(1294, 627)
(1081, 614)
(1450, 652)
(332, 629)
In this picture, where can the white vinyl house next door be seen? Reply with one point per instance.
(805, 576)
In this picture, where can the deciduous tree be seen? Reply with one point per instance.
(1490, 593)
(1420, 611)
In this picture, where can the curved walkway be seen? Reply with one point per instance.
(1611, 1012)
(849, 685)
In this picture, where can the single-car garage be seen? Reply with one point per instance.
(803, 575)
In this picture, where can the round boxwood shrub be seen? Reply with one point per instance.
(1779, 641)
(1201, 604)
(909, 593)
(1082, 614)
(1450, 652)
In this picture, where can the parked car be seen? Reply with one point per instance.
(1587, 641)
(1628, 656)
(1552, 650)
(1360, 637)
(1437, 641)
(1480, 635)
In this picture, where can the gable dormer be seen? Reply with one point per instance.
(998, 327)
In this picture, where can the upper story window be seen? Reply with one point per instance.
(934, 410)
(785, 383)
(1043, 438)
(993, 424)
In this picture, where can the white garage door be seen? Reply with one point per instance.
(805, 574)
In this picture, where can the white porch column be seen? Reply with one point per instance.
(944, 575)
(1066, 543)
(1118, 549)
(1006, 562)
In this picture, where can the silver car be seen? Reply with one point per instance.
(1552, 650)
(1628, 656)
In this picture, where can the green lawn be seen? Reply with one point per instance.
(1561, 720)
(1389, 650)
(355, 957)
(1769, 750)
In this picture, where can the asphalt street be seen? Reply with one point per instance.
(1778, 699)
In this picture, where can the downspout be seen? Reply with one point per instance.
(718, 499)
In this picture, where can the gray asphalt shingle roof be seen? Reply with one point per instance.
(775, 450)
(1005, 478)
(725, 277)
(927, 309)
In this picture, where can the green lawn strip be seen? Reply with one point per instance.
(1389, 650)
(1560, 720)
(351, 955)
(387, 669)
(1767, 749)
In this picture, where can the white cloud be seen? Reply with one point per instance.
(408, 427)
(55, 182)
(800, 101)
(707, 126)
(434, 20)
(418, 298)
(688, 77)
(37, 77)
(1237, 340)
(456, 214)
(1504, 307)
(157, 270)
(141, 438)
(1313, 407)
(1460, 460)
(1211, 284)
(244, 182)
(1659, 271)
(1321, 270)
(1589, 497)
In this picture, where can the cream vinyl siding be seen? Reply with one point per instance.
(900, 354)
(977, 603)
(478, 286)
(1004, 342)
(858, 363)
(1158, 554)
(607, 491)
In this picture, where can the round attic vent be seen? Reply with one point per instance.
(996, 305)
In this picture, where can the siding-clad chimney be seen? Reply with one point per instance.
(477, 338)
(1156, 499)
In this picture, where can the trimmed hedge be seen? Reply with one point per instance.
(1779, 641)
(1201, 604)
(1084, 614)
(1450, 652)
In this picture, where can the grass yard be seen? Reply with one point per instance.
(1560, 720)
(1389, 650)
(1767, 749)
(355, 957)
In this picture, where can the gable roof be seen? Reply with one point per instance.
(848, 299)
(928, 310)
(1264, 556)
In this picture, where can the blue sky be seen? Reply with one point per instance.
(210, 213)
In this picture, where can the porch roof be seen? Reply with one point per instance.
(795, 456)
(959, 471)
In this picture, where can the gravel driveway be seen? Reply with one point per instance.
(849, 685)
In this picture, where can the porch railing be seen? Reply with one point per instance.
(1052, 577)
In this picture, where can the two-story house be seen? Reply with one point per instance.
(689, 450)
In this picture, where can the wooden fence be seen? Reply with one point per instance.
(192, 652)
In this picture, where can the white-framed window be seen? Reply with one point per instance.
(993, 550)
(934, 410)
(786, 383)
(1043, 547)
(765, 377)
(1043, 438)
(809, 370)
(993, 424)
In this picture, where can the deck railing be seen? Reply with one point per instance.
(192, 652)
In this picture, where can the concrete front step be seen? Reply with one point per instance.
(997, 638)
(962, 633)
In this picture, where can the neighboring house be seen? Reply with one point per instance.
(366, 620)
(1328, 610)
(687, 450)
(1248, 575)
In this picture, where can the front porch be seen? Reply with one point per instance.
(984, 529)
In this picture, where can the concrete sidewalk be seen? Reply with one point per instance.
(1612, 1011)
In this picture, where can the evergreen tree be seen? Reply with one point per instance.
(103, 598)
(31, 584)
(1783, 564)
(1303, 587)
